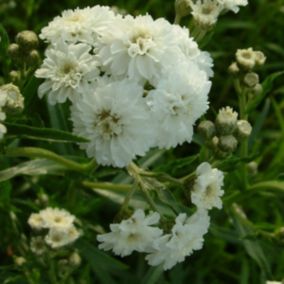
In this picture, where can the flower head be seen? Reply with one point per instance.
(207, 188)
(186, 237)
(67, 70)
(114, 118)
(134, 234)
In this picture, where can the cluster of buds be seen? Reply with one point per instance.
(223, 135)
(24, 52)
(246, 61)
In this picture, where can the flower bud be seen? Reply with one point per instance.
(182, 8)
(3, 130)
(14, 51)
(251, 79)
(257, 89)
(234, 68)
(206, 129)
(246, 58)
(226, 121)
(260, 58)
(14, 98)
(33, 57)
(19, 260)
(27, 40)
(243, 129)
(252, 167)
(75, 259)
(215, 142)
(14, 76)
(228, 143)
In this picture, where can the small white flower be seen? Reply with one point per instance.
(133, 234)
(37, 245)
(233, 5)
(56, 218)
(79, 25)
(36, 222)
(186, 237)
(207, 189)
(246, 58)
(114, 118)
(67, 70)
(206, 12)
(12, 98)
(179, 99)
(139, 47)
(61, 236)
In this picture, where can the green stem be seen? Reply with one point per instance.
(107, 186)
(242, 96)
(33, 152)
(177, 19)
(134, 171)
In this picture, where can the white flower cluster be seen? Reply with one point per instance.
(134, 82)
(206, 12)
(60, 226)
(138, 233)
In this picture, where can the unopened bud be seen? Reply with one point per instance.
(14, 76)
(14, 98)
(14, 51)
(226, 121)
(33, 57)
(75, 259)
(19, 260)
(246, 58)
(182, 8)
(234, 68)
(243, 129)
(27, 40)
(252, 167)
(215, 142)
(251, 79)
(228, 143)
(260, 58)
(257, 89)
(3, 130)
(206, 129)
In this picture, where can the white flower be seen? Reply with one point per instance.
(179, 99)
(139, 47)
(36, 222)
(56, 218)
(58, 237)
(133, 234)
(207, 189)
(67, 70)
(206, 12)
(37, 245)
(274, 282)
(114, 118)
(79, 25)
(233, 5)
(11, 98)
(186, 237)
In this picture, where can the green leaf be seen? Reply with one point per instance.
(4, 43)
(45, 134)
(102, 264)
(252, 246)
(269, 185)
(267, 86)
(32, 168)
(30, 91)
(153, 275)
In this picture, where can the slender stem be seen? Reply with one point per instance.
(107, 186)
(33, 152)
(188, 178)
(177, 19)
(134, 171)
(242, 95)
